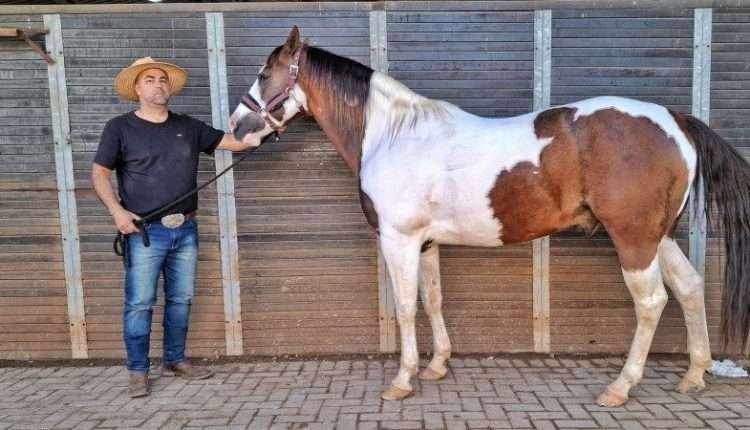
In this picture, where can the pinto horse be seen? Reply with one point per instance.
(433, 174)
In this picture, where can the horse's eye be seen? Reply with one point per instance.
(262, 77)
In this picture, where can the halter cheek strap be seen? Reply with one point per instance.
(278, 101)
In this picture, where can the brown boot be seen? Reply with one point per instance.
(138, 385)
(186, 370)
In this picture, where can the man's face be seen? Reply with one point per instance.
(152, 87)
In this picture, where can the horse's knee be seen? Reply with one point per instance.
(406, 311)
(651, 307)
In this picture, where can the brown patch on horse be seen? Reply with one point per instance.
(337, 90)
(368, 208)
(636, 179)
(533, 201)
(682, 124)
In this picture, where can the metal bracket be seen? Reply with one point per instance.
(14, 33)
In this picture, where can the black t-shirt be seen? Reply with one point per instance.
(156, 163)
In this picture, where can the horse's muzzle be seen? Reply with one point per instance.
(250, 123)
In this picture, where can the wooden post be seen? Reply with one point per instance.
(386, 300)
(230, 260)
(540, 247)
(701, 108)
(66, 188)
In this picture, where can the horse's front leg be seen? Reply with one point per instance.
(432, 300)
(401, 253)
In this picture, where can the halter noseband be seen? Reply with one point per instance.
(278, 101)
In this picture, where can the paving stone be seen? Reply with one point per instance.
(478, 392)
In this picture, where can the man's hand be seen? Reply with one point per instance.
(229, 143)
(124, 220)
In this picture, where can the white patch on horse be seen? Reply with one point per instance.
(405, 107)
(255, 93)
(436, 179)
(659, 115)
(297, 98)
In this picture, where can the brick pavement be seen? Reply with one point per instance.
(541, 392)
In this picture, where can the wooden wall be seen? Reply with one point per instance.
(33, 304)
(308, 261)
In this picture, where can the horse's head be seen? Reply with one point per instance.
(275, 98)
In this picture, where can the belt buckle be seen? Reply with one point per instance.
(173, 220)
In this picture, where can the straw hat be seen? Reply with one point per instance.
(125, 80)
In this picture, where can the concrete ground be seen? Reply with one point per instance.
(542, 392)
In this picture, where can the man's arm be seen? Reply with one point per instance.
(100, 179)
(229, 143)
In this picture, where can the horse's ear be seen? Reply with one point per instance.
(306, 41)
(293, 40)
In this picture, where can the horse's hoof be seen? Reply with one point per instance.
(611, 399)
(395, 393)
(431, 375)
(689, 387)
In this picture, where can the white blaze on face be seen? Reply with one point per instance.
(241, 111)
(255, 93)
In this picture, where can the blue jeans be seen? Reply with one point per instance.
(173, 253)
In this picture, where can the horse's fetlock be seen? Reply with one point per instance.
(410, 366)
(443, 352)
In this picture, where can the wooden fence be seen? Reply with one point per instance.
(288, 264)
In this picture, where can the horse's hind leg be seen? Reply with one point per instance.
(432, 299)
(687, 286)
(649, 297)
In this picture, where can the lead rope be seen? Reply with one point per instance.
(121, 244)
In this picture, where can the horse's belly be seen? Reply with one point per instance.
(449, 237)
(472, 228)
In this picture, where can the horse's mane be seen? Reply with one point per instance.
(402, 107)
(354, 93)
(346, 84)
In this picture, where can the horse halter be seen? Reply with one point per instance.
(277, 101)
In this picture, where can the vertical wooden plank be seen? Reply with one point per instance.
(542, 74)
(225, 186)
(66, 187)
(386, 300)
(701, 108)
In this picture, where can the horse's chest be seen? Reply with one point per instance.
(446, 206)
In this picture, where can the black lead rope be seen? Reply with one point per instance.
(121, 245)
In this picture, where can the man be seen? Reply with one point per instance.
(155, 153)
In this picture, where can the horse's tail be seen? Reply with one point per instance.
(726, 178)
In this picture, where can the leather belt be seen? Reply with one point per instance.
(176, 220)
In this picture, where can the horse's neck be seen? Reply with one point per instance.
(346, 141)
(343, 124)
